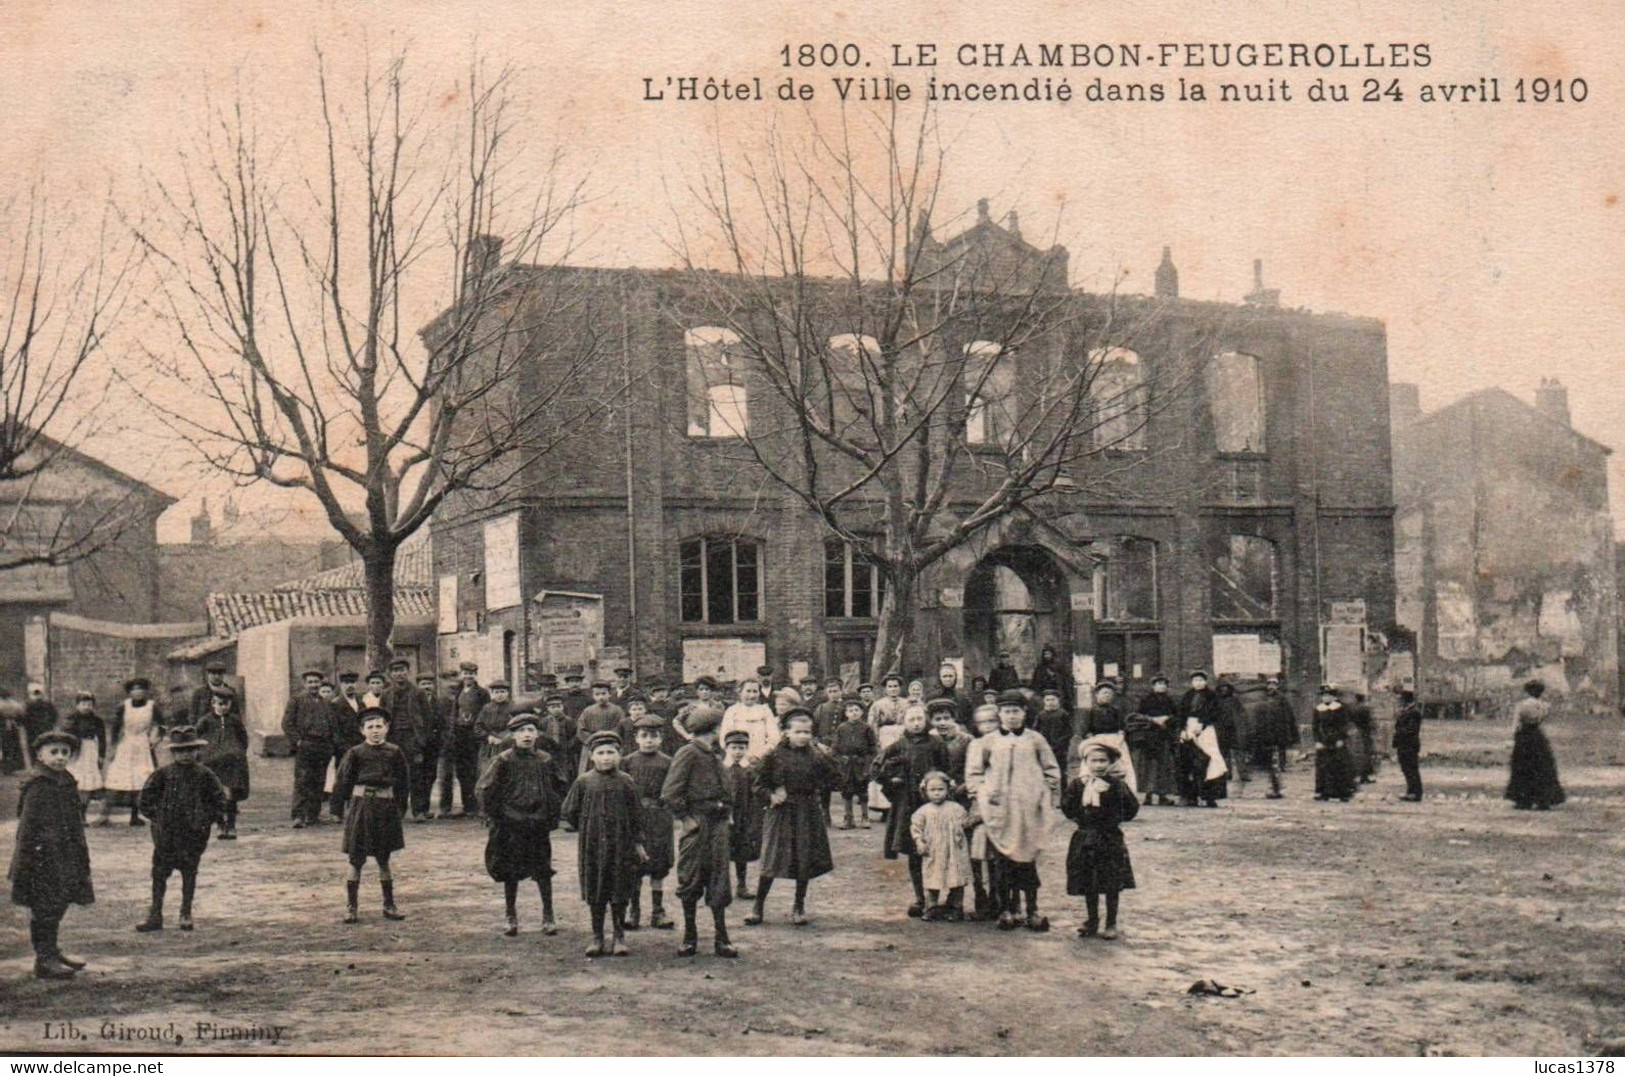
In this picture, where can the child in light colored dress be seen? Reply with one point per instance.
(938, 828)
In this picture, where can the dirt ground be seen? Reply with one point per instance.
(1453, 926)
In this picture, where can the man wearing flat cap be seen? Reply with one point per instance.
(464, 741)
(307, 722)
(201, 704)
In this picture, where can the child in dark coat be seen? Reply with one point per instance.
(794, 778)
(374, 782)
(899, 771)
(854, 743)
(50, 864)
(1097, 862)
(648, 767)
(745, 837)
(183, 800)
(697, 795)
(603, 806)
(227, 754)
(519, 795)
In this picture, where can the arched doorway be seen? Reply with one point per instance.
(1016, 599)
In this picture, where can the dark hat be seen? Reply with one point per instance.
(1057, 691)
(854, 703)
(370, 712)
(1159, 679)
(138, 681)
(866, 684)
(702, 719)
(547, 680)
(182, 737)
(51, 736)
(649, 722)
(215, 667)
(400, 663)
(794, 711)
(574, 676)
(317, 673)
(599, 739)
(1110, 685)
(942, 705)
(657, 685)
(555, 697)
(84, 696)
(736, 737)
(836, 680)
(634, 696)
(498, 685)
(422, 676)
(623, 670)
(1535, 685)
(349, 677)
(1194, 673)
(605, 684)
(376, 674)
(889, 677)
(1012, 697)
(449, 674)
(706, 681)
(222, 692)
(523, 718)
(1327, 689)
(468, 666)
(764, 670)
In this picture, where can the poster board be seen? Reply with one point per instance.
(502, 562)
(1343, 655)
(1236, 654)
(566, 632)
(446, 605)
(725, 659)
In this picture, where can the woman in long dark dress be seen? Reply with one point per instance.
(1335, 778)
(794, 777)
(1533, 782)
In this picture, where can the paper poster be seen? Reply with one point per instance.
(1236, 655)
(502, 562)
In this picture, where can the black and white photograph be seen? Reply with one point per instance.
(712, 531)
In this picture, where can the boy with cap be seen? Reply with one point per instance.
(705, 692)
(622, 687)
(308, 726)
(519, 795)
(602, 716)
(648, 767)
(829, 714)
(374, 782)
(183, 800)
(1013, 782)
(50, 862)
(603, 807)
(794, 777)
(214, 683)
(745, 836)
(899, 771)
(943, 715)
(226, 756)
(698, 796)
(854, 746)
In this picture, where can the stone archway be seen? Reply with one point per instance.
(1017, 598)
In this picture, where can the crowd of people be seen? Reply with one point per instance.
(701, 781)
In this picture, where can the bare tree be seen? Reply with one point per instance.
(909, 393)
(60, 307)
(287, 297)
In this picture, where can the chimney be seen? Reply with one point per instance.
(1404, 404)
(202, 527)
(483, 255)
(1552, 400)
(1167, 277)
(1262, 296)
(981, 211)
(1012, 224)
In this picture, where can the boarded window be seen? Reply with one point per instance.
(718, 405)
(1118, 391)
(1125, 578)
(990, 396)
(720, 580)
(1243, 573)
(1235, 388)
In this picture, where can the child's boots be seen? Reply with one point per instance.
(634, 913)
(657, 914)
(352, 892)
(390, 911)
(722, 946)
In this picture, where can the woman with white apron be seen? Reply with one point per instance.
(86, 766)
(135, 729)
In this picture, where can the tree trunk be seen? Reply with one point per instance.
(896, 633)
(379, 568)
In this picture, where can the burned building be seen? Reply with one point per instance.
(1251, 530)
(1504, 546)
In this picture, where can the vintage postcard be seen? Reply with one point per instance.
(712, 530)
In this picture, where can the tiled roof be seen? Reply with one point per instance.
(413, 568)
(230, 614)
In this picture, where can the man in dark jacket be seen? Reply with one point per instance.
(1003, 677)
(39, 715)
(464, 740)
(214, 683)
(1275, 728)
(346, 707)
(1408, 744)
(307, 722)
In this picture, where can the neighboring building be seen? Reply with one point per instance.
(1504, 546)
(1253, 531)
(236, 553)
(117, 583)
